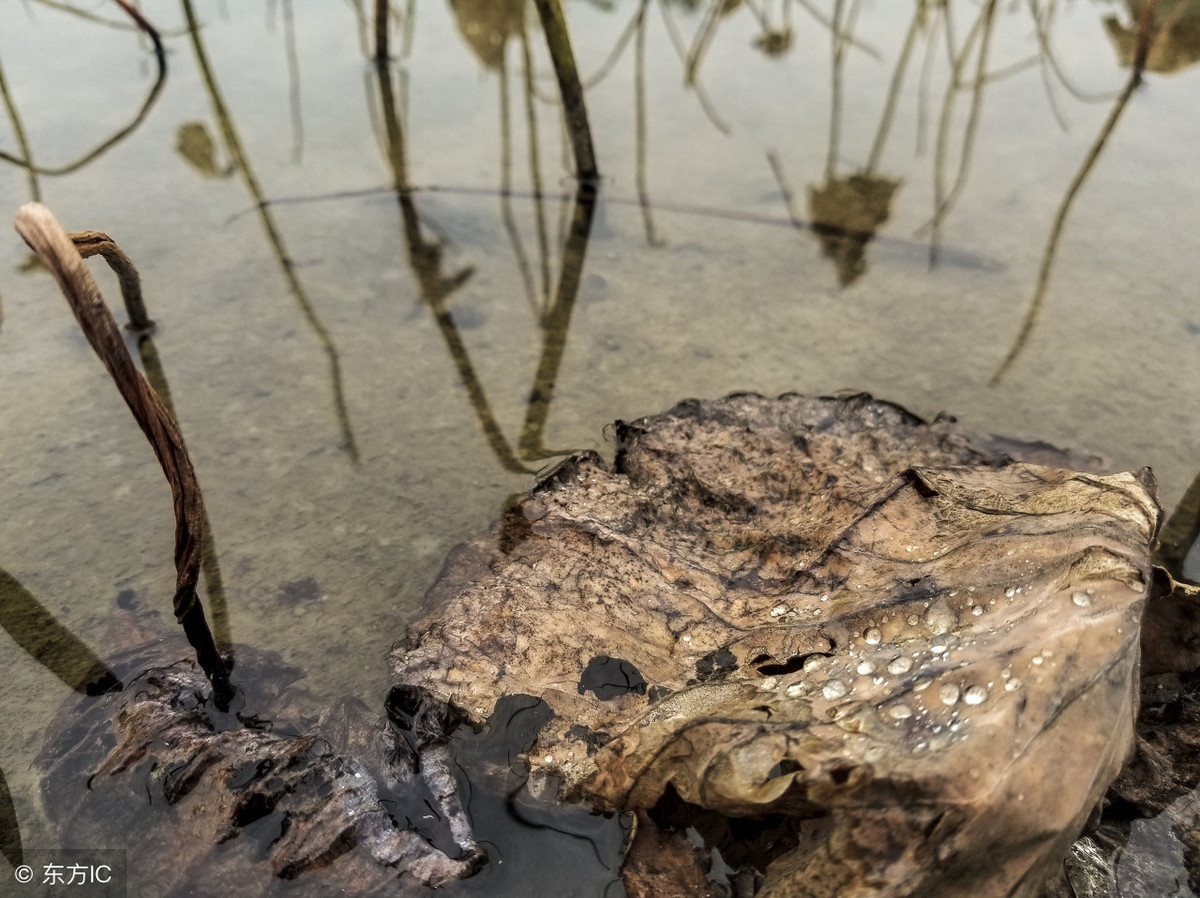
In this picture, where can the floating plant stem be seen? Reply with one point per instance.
(1089, 162)
(558, 39)
(46, 237)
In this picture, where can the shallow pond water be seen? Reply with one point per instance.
(379, 312)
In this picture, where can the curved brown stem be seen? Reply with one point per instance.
(46, 237)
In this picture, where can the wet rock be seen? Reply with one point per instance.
(857, 632)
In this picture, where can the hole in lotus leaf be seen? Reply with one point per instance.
(791, 665)
(840, 775)
(609, 678)
(717, 665)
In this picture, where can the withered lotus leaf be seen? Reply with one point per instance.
(920, 655)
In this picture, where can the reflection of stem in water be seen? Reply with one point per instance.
(10, 827)
(293, 68)
(682, 52)
(53, 646)
(506, 211)
(844, 36)
(639, 102)
(87, 16)
(943, 200)
(535, 170)
(557, 325)
(704, 37)
(35, 192)
(835, 99)
(382, 10)
(161, 79)
(425, 257)
(618, 48)
(558, 40)
(1060, 218)
(889, 106)
(1042, 25)
(841, 35)
(939, 10)
(238, 157)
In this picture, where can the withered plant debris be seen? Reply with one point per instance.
(58, 252)
(225, 771)
(916, 664)
(817, 647)
(219, 803)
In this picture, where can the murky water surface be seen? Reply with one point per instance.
(379, 311)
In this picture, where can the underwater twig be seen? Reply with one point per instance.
(1060, 217)
(558, 39)
(45, 236)
(789, 199)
